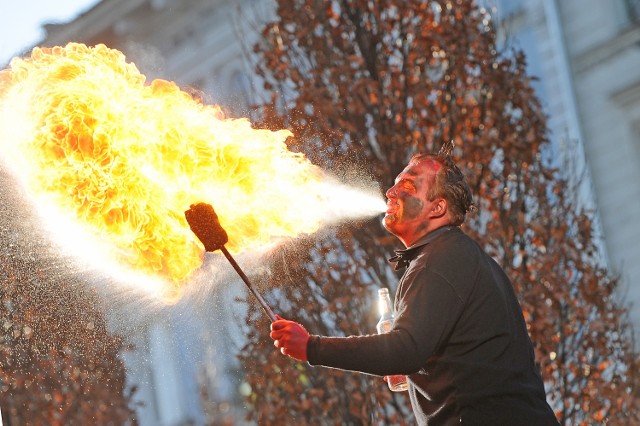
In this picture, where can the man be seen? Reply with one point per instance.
(459, 333)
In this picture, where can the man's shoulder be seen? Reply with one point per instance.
(451, 252)
(454, 239)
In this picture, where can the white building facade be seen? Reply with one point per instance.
(586, 54)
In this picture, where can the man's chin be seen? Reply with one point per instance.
(388, 222)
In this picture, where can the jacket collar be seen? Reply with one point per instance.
(402, 258)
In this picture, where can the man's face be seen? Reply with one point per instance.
(409, 213)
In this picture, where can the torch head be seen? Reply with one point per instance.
(204, 222)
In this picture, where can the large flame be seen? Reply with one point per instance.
(125, 159)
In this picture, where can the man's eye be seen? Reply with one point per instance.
(408, 186)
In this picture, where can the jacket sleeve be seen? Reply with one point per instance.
(427, 311)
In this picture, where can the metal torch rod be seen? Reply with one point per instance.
(240, 272)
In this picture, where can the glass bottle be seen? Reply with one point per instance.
(397, 383)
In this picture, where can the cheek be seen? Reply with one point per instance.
(412, 206)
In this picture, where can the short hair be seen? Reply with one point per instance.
(449, 183)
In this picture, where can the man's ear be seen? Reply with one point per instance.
(439, 208)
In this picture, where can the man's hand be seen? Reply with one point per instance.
(290, 337)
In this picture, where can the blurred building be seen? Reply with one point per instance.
(585, 52)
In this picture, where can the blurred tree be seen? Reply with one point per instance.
(366, 84)
(59, 365)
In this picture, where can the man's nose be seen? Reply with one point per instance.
(391, 192)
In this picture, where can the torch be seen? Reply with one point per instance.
(204, 222)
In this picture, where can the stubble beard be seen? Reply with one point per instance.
(388, 221)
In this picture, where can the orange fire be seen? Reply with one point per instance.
(125, 159)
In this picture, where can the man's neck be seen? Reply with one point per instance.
(426, 234)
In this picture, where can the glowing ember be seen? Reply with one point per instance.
(124, 160)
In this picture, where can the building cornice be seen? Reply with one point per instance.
(607, 50)
(95, 21)
(628, 96)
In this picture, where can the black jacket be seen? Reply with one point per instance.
(460, 336)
